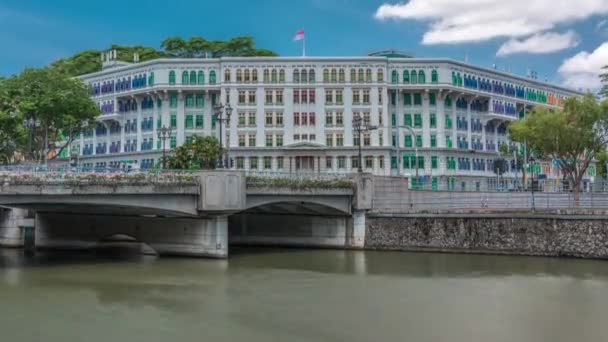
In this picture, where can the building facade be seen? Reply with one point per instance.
(296, 114)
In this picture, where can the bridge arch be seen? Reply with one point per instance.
(292, 205)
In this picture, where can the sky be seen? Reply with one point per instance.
(563, 41)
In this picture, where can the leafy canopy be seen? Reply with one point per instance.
(571, 137)
(202, 152)
(89, 61)
(59, 105)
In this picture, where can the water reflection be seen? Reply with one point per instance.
(301, 295)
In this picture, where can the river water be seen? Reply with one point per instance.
(302, 295)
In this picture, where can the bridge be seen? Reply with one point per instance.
(193, 214)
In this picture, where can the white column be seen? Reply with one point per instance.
(138, 126)
(180, 129)
(469, 122)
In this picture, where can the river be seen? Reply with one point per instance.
(302, 295)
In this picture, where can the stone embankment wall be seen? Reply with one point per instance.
(583, 236)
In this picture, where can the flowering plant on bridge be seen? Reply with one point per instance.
(107, 179)
(299, 182)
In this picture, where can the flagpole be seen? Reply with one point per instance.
(304, 47)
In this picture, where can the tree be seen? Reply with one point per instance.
(176, 47)
(89, 61)
(604, 77)
(571, 137)
(202, 152)
(59, 104)
(602, 161)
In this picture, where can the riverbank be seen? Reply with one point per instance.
(542, 234)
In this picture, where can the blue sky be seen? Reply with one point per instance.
(565, 41)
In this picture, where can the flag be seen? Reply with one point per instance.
(299, 35)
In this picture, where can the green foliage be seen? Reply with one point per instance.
(571, 136)
(59, 104)
(198, 153)
(604, 77)
(602, 160)
(200, 47)
(89, 61)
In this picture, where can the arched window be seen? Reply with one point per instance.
(414, 77)
(171, 77)
(185, 77)
(282, 75)
(266, 76)
(247, 76)
(341, 76)
(406, 76)
(304, 76)
(325, 75)
(368, 75)
(201, 77)
(448, 101)
(421, 76)
(380, 75)
(192, 77)
(334, 76)
(361, 77)
(212, 77)
(311, 76)
(454, 78)
(394, 77)
(254, 75)
(239, 76)
(151, 79)
(227, 76)
(353, 75)
(296, 76)
(274, 75)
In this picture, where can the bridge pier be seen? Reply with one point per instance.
(11, 220)
(298, 230)
(199, 237)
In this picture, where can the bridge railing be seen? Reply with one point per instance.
(447, 201)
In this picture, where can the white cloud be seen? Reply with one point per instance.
(539, 43)
(458, 21)
(583, 69)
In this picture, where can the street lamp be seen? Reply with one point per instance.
(222, 114)
(164, 133)
(31, 124)
(360, 127)
(531, 163)
(399, 159)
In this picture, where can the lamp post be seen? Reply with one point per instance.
(164, 133)
(531, 163)
(360, 127)
(222, 114)
(399, 159)
(30, 124)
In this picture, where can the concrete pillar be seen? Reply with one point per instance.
(10, 222)
(166, 236)
(358, 234)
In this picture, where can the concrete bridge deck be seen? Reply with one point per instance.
(187, 216)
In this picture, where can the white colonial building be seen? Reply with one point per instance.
(295, 114)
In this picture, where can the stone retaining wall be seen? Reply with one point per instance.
(542, 235)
